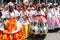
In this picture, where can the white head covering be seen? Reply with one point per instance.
(10, 4)
(49, 4)
(55, 4)
(43, 3)
(32, 8)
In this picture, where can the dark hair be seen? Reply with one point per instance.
(15, 6)
(42, 6)
(0, 13)
(0, 9)
(38, 9)
(10, 8)
(51, 6)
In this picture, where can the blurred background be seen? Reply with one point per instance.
(35, 1)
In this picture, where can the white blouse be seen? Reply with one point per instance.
(13, 14)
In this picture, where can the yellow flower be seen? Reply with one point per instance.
(4, 36)
(16, 35)
(11, 37)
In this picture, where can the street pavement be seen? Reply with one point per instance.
(52, 35)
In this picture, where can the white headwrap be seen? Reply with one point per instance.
(10, 4)
(43, 3)
(55, 3)
(49, 4)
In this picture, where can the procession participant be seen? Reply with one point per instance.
(5, 9)
(49, 5)
(11, 30)
(43, 13)
(19, 9)
(25, 10)
(57, 12)
(59, 15)
(26, 13)
(38, 7)
(43, 8)
(10, 11)
(29, 17)
(49, 16)
(33, 11)
(52, 19)
(33, 14)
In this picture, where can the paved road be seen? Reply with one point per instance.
(52, 35)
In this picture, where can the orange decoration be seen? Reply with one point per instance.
(4, 37)
(11, 24)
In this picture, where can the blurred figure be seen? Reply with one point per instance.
(0, 14)
(43, 13)
(11, 12)
(25, 11)
(2, 9)
(18, 8)
(0, 17)
(6, 7)
(33, 11)
(52, 19)
(57, 11)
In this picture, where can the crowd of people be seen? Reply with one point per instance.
(39, 12)
(47, 12)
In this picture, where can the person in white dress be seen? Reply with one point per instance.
(43, 13)
(11, 12)
(57, 13)
(52, 19)
(33, 11)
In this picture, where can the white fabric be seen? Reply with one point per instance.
(50, 13)
(10, 4)
(21, 13)
(53, 20)
(55, 3)
(12, 14)
(33, 12)
(27, 12)
(42, 12)
(25, 1)
(49, 4)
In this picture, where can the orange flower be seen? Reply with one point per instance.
(11, 37)
(16, 35)
(4, 36)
